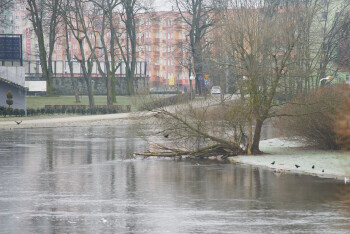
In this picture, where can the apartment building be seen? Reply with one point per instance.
(161, 37)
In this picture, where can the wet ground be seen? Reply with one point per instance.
(84, 180)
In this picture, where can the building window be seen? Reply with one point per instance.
(324, 16)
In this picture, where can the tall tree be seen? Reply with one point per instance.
(261, 43)
(45, 19)
(199, 16)
(5, 4)
(126, 39)
(64, 10)
(107, 26)
(79, 17)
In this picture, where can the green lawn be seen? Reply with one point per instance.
(37, 102)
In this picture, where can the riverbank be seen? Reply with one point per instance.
(72, 121)
(287, 154)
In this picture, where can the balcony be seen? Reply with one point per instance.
(156, 53)
(156, 40)
(178, 68)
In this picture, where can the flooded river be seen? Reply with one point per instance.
(84, 180)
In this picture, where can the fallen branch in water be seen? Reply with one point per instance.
(206, 152)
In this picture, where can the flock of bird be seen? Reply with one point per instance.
(297, 166)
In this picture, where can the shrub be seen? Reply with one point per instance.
(312, 117)
(2, 110)
(22, 112)
(342, 126)
(16, 112)
(162, 102)
(9, 111)
(9, 100)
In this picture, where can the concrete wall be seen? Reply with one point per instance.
(63, 85)
(17, 93)
(12, 79)
(13, 74)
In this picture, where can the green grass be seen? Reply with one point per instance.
(37, 102)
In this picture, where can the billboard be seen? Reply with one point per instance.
(36, 86)
(11, 47)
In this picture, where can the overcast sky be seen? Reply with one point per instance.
(162, 5)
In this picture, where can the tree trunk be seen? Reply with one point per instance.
(257, 134)
(91, 98)
(109, 89)
(70, 65)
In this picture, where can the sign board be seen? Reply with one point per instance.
(36, 86)
(10, 47)
(206, 76)
(171, 80)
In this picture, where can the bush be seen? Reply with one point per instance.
(9, 111)
(162, 102)
(342, 126)
(2, 110)
(16, 112)
(22, 112)
(312, 117)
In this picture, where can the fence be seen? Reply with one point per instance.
(61, 68)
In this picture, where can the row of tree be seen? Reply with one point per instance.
(88, 22)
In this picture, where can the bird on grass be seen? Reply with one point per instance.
(273, 163)
(18, 122)
(313, 167)
(297, 166)
(166, 135)
(322, 170)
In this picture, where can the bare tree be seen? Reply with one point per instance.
(45, 19)
(5, 4)
(64, 10)
(79, 17)
(126, 38)
(107, 25)
(261, 39)
(199, 16)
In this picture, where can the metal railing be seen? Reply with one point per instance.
(61, 68)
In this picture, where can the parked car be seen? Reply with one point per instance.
(215, 90)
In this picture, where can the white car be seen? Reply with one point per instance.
(215, 90)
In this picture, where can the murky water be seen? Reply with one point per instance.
(84, 180)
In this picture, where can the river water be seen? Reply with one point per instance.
(84, 180)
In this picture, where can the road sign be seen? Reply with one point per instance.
(171, 80)
(206, 76)
(200, 78)
(206, 82)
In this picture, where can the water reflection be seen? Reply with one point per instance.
(83, 180)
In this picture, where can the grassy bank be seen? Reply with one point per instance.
(38, 102)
